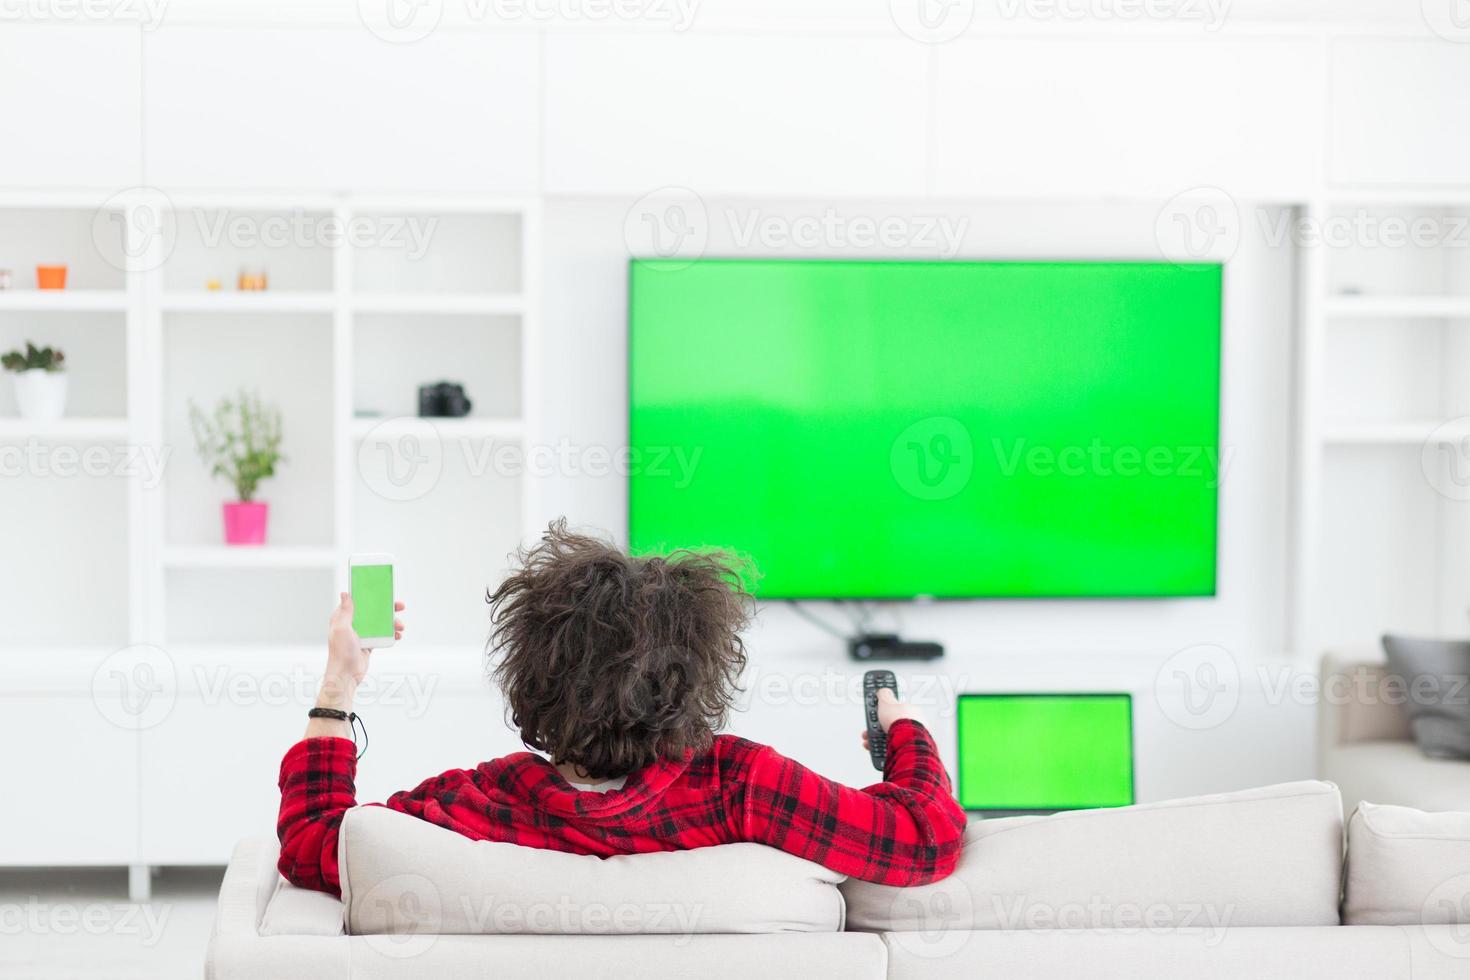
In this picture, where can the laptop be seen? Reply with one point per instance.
(1042, 753)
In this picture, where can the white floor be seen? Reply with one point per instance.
(57, 924)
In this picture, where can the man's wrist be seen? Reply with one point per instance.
(337, 691)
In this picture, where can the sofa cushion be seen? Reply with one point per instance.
(296, 911)
(1260, 857)
(1436, 678)
(1361, 702)
(1184, 954)
(1407, 867)
(810, 956)
(404, 875)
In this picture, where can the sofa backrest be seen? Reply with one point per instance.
(1261, 857)
(1356, 702)
(403, 875)
(1408, 867)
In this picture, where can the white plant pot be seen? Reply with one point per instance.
(40, 395)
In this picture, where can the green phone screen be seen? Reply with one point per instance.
(372, 600)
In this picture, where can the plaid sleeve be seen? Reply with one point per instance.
(316, 790)
(907, 830)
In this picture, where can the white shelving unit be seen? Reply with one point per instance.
(354, 324)
(513, 429)
(63, 300)
(1399, 307)
(268, 556)
(1409, 433)
(1383, 382)
(108, 429)
(343, 330)
(220, 301)
(71, 509)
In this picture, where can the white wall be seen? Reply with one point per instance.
(992, 644)
(275, 108)
(770, 99)
(788, 108)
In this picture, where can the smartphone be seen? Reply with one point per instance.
(370, 579)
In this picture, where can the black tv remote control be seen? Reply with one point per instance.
(873, 682)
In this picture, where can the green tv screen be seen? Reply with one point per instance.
(1045, 751)
(889, 430)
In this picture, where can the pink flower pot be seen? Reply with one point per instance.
(245, 522)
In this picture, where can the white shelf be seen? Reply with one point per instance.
(1389, 307)
(250, 556)
(36, 300)
(323, 301)
(447, 428)
(1421, 196)
(1413, 432)
(265, 301)
(76, 428)
(481, 303)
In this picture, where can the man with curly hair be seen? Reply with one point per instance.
(622, 670)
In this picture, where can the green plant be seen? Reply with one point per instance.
(241, 441)
(34, 359)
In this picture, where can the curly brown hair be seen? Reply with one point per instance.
(609, 661)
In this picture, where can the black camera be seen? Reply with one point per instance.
(443, 400)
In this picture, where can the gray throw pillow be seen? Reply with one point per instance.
(1436, 687)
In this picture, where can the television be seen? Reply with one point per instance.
(948, 429)
(1039, 753)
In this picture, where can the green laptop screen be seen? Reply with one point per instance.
(1045, 751)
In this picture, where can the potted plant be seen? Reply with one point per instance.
(241, 442)
(40, 381)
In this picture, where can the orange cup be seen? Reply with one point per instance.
(50, 277)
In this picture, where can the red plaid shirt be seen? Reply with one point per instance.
(903, 831)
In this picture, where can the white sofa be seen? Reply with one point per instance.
(1364, 744)
(1243, 884)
